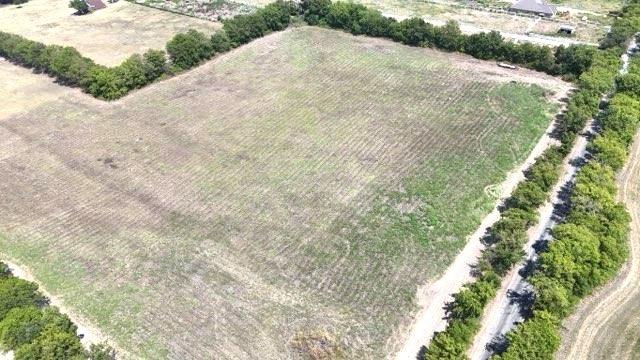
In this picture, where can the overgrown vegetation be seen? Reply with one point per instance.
(33, 329)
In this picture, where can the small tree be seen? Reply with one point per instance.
(80, 6)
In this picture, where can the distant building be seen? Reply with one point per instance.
(536, 7)
(95, 5)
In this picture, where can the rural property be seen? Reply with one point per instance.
(304, 180)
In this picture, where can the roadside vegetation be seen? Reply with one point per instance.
(590, 245)
(33, 329)
(505, 240)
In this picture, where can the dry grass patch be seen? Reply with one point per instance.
(307, 182)
(107, 36)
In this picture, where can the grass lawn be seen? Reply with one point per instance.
(304, 184)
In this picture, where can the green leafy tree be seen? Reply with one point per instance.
(16, 292)
(536, 338)
(20, 326)
(52, 344)
(188, 49)
(154, 64)
(220, 42)
(80, 6)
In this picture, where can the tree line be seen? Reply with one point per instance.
(34, 330)
(590, 245)
(506, 238)
(183, 51)
(189, 49)
(360, 20)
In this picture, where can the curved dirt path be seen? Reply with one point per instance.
(432, 297)
(598, 328)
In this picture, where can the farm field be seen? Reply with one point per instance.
(292, 194)
(107, 36)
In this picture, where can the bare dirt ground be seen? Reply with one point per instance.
(21, 90)
(308, 182)
(606, 325)
(107, 36)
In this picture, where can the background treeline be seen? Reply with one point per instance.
(505, 240)
(590, 245)
(184, 51)
(358, 19)
(34, 330)
(12, 2)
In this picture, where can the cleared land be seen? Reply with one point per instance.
(107, 36)
(296, 190)
(606, 325)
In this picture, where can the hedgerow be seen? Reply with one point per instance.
(590, 246)
(34, 330)
(537, 338)
(184, 50)
(359, 20)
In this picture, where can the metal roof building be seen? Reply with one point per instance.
(538, 7)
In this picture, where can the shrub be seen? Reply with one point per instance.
(52, 344)
(220, 42)
(154, 64)
(15, 293)
(188, 49)
(80, 6)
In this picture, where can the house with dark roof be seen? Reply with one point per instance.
(95, 4)
(535, 7)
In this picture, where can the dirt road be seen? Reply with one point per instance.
(432, 297)
(602, 325)
(501, 313)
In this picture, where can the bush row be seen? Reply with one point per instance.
(359, 19)
(505, 240)
(184, 50)
(34, 330)
(590, 245)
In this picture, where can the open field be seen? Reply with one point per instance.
(301, 187)
(22, 90)
(606, 325)
(107, 36)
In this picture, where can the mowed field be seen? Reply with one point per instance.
(107, 36)
(301, 187)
